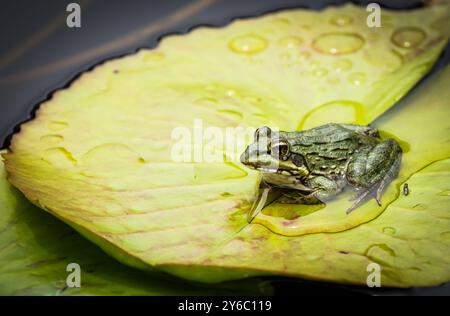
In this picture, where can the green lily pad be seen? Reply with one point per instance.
(99, 155)
(35, 249)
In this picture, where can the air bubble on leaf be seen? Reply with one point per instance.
(357, 78)
(378, 249)
(333, 80)
(153, 57)
(338, 43)
(290, 42)
(207, 101)
(342, 20)
(232, 114)
(320, 72)
(408, 37)
(248, 44)
(57, 125)
(389, 60)
(342, 64)
(51, 139)
(442, 24)
(58, 156)
(389, 230)
(304, 55)
(342, 111)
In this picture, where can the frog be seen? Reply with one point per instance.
(315, 165)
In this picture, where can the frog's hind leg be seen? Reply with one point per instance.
(297, 197)
(372, 171)
(324, 189)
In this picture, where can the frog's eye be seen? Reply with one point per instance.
(280, 149)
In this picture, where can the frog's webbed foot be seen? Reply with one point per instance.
(373, 171)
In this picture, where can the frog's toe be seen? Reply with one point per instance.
(363, 196)
(378, 197)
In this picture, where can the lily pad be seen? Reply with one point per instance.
(98, 154)
(35, 249)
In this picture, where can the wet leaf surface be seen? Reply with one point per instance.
(98, 154)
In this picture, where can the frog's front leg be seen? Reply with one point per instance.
(324, 190)
(371, 171)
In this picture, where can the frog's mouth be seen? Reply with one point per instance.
(267, 169)
(267, 164)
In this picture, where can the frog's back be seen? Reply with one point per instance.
(329, 133)
(327, 148)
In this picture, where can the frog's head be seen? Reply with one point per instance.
(271, 153)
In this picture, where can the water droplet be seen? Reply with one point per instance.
(378, 56)
(338, 43)
(282, 21)
(333, 80)
(377, 84)
(58, 156)
(52, 139)
(313, 257)
(207, 101)
(57, 125)
(341, 20)
(408, 37)
(153, 56)
(291, 42)
(253, 99)
(420, 207)
(285, 56)
(230, 93)
(342, 111)
(442, 24)
(110, 153)
(304, 56)
(261, 116)
(389, 230)
(445, 193)
(320, 72)
(342, 64)
(248, 44)
(374, 249)
(357, 78)
(232, 113)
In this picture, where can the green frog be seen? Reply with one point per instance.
(315, 165)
